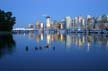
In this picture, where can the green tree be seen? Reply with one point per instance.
(7, 21)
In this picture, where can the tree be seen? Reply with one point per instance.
(7, 21)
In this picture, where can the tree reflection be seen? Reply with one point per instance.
(7, 44)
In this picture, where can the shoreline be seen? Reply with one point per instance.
(61, 31)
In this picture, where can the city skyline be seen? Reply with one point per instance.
(30, 11)
(77, 24)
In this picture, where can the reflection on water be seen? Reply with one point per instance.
(54, 51)
(79, 40)
(7, 44)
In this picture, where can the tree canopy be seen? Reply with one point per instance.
(7, 21)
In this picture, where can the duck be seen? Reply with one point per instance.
(47, 46)
(40, 47)
(36, 48)
(26, 48)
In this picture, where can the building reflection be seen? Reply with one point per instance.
(42, 36)
(7, 44)
(48, 39)
(80, 40)
(31, 35)
(68, 40)
(38, 38)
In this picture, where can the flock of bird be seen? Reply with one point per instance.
(40, 47)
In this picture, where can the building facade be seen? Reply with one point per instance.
(48, 23)
(68, 22)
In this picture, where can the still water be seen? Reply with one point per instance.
(38, 51)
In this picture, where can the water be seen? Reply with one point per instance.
(38, 51)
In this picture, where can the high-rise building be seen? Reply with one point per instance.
(31, 26)
(80, 19)
(48, 23)
(68, 22)
(88, 17)
(80, 23)
(73, 24)
(42, 26)
(88, 22)
(83, 24)
(76, 20)
(76, 23)
(62, 24)
(99, 19)
(51, 25)
(37, 24)
(107, 18)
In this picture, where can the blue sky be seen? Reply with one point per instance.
(28, 11)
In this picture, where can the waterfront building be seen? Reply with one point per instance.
(107, 18)
(48, 23)
(102, 22)
(99, 19)
(73, 24)
(76, 19)
(98, 22)
(42, 25)
(88, 22)
(31, 26)
(88, 17)
(76, 23)
(93, 23)
(55, 24)
(37, 24)
(62, 24)
(80, 21)
(68, 21)
(51, 25)
(83, 24)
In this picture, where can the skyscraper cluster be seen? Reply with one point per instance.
(75, 24)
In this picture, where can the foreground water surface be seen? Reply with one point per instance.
(38, 51)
